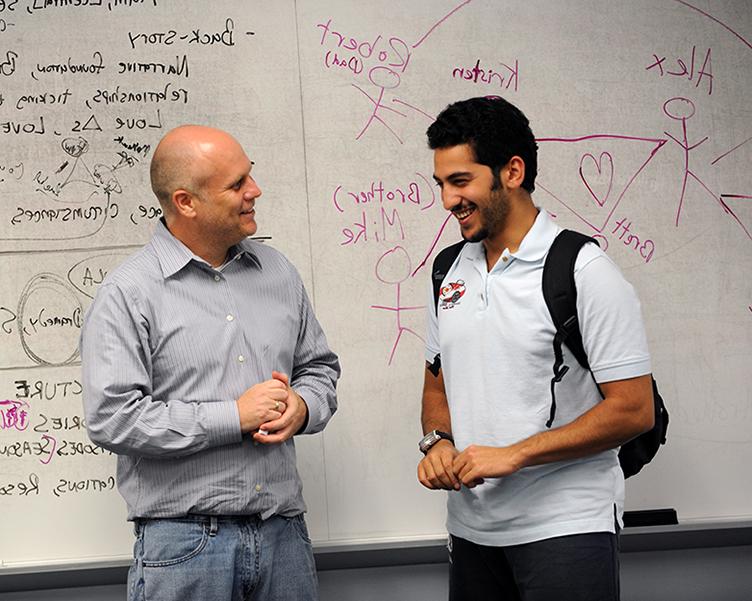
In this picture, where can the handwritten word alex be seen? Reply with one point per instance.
(679, 68)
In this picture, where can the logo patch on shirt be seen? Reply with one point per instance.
(450, 295)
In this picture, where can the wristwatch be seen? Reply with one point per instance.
(432, 438)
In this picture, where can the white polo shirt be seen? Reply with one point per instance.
(495, 337)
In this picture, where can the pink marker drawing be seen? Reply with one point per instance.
(393, 267)
(50, 440)
(683, 109)
(393, 57)
(726, 198)
(608, 165)
(13, 415)
(602, 178)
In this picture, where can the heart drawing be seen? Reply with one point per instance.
(598, 175)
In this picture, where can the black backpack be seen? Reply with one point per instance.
(560, 294)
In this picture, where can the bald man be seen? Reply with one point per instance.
(202, 358)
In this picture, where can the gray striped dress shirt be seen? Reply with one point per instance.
(168, 345)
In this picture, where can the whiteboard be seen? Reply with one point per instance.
(643, 121)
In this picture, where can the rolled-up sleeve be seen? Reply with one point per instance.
(613, 331)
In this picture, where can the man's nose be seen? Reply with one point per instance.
(252, 189)
(449, 198)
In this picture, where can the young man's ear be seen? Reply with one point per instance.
(513, 173)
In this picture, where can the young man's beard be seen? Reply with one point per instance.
(493, 215)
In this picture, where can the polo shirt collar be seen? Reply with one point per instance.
(534, 245)
(173, 255)
(538, 239)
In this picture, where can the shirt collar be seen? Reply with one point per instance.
(173, 255)
(538, 239)
(534, 245)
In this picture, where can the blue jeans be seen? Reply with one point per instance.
(222, 559)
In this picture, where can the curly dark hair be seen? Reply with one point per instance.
(495, 129)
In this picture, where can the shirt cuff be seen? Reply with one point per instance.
(318, 411)
(224, 423)
(622, 371)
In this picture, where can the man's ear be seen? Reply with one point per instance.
(513, 173)
(184, 202)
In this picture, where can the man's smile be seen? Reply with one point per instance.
(463, 213)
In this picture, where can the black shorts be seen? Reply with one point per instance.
(580, 567)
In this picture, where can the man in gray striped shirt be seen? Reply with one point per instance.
(202, 358)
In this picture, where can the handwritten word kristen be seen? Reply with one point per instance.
(506, 79)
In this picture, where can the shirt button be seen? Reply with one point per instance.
(230, 318)
(241, 358)
(505, 259)
(258, 488)
(217, 278)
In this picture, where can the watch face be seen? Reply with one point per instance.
(429, 440)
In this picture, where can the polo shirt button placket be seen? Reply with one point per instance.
(484, 292)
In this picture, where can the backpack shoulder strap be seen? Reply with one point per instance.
(560, 294)
(441, 265)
